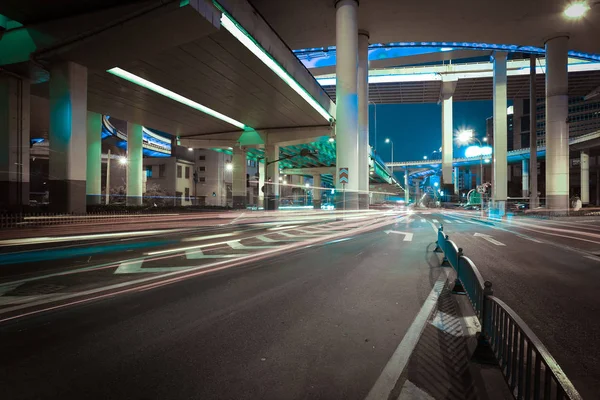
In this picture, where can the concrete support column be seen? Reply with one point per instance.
(347, 102)
(363, 120)
(585, 177)
(525, 177)
(238, 186)
(317, 192)
(456, 175)
(557, 131)
(135, 167)
(14, 141)
(67, 135)
(261, 185)
(93, 181)
(406, 188)
(272, 178)
(533, 186)
(447, 140)
(598, 187)
(500, 163)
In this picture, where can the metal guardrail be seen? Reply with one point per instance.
(529, 369)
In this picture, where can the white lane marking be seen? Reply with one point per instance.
(179, 249)
(392, 371)
(292, 236)
(135, 267)
(55, 239)
(408, 237)
(447, 221)
(267, 239)
(459, 221)
(489, 239)
(198, 254)
(234, 244)
(528, 238)
(200, 238)
(593, 258)
(423, 220)
(282, 227)
(435, 228)
(435, 221)
(8, 300)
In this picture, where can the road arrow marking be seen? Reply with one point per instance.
(489, 239)
(407, 235)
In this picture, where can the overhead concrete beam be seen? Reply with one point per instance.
(267, 137)
(309, 171)
(208, 143)
(243, 12)
(410, 60)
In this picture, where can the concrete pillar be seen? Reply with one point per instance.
(239, 172)
(585, 177)
(500, 162)
(317, 192)
(525, 177)
(135, 166)
(456, 175)
(14, 141)
(363, 120)
(261, 185)
(533, 186)
(447, 140)
(406, 188)
(517, 116)
(598, 187)
(93, 181)
(557, 131)
(67, 136)
(272, 177)
(347, 102)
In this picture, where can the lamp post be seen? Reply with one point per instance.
(388, 140)
(466, 136)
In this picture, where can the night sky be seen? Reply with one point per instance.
(416, 129)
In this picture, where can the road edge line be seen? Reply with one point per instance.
(397, 363)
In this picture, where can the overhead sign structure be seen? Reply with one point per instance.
(343, 175)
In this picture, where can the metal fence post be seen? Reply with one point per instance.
(445, 262)
(438, 249)
(458, 286)
(484, 352)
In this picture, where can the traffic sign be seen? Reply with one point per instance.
(343, 175)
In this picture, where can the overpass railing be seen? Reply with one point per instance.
(528, 367)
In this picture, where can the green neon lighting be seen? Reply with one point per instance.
(251, 44)
(128, 76)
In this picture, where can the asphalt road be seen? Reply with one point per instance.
(317, 323)
(548, 273)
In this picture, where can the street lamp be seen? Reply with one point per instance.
(388, 140)
(228, 166)
(123, 160)
(424, 157)
(577, 9)
(465, 136)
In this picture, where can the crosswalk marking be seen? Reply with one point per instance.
(459, 221)
(447, 221)
(435, 221)
(423, 220)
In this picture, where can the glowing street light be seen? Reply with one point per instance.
(465, 136)
(123, 160)
(228, 166)
(424, 157)
(576, 10)
(306, 185)
(331, 139)
(190, 149)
